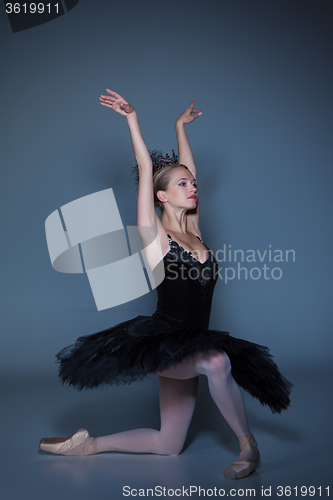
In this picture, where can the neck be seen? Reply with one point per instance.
(175, 221)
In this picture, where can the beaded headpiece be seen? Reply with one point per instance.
(160, 161)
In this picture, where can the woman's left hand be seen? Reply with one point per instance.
(187, 116)
(117, 103)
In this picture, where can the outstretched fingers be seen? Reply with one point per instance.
(114, 93)
(114, 97)
(197, 112)
(107, 101)
(106, 104)
(116, 102)
(107, 98)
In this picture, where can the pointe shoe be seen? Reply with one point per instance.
(72, 442)
(248, 460)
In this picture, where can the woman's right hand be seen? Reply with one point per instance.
(117, 103)
(188, 115)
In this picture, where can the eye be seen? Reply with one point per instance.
(182, 184)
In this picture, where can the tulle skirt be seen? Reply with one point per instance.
(144, 345)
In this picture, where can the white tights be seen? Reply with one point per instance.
(178, 391)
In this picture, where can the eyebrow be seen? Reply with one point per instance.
(185, 179)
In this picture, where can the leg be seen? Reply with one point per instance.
(224, 390)
(222, 386)
(177, 402)
(179, 408)
(229, 399)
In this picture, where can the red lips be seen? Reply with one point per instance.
(193, 196)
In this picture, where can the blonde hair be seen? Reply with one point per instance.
(161, 182)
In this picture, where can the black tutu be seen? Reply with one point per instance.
(142, 346)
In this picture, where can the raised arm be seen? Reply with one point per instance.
(146, 215)
(185, 156)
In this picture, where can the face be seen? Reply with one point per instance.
(182, 189)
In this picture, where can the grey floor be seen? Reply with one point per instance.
(296, 446)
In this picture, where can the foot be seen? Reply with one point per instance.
(248, 460)
(78, 444)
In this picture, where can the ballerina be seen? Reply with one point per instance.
(174, 343)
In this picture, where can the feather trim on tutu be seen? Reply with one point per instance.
(142, 346)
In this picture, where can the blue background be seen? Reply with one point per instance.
(261, 73)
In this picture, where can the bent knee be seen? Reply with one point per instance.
(216, 363)
(166, 447)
